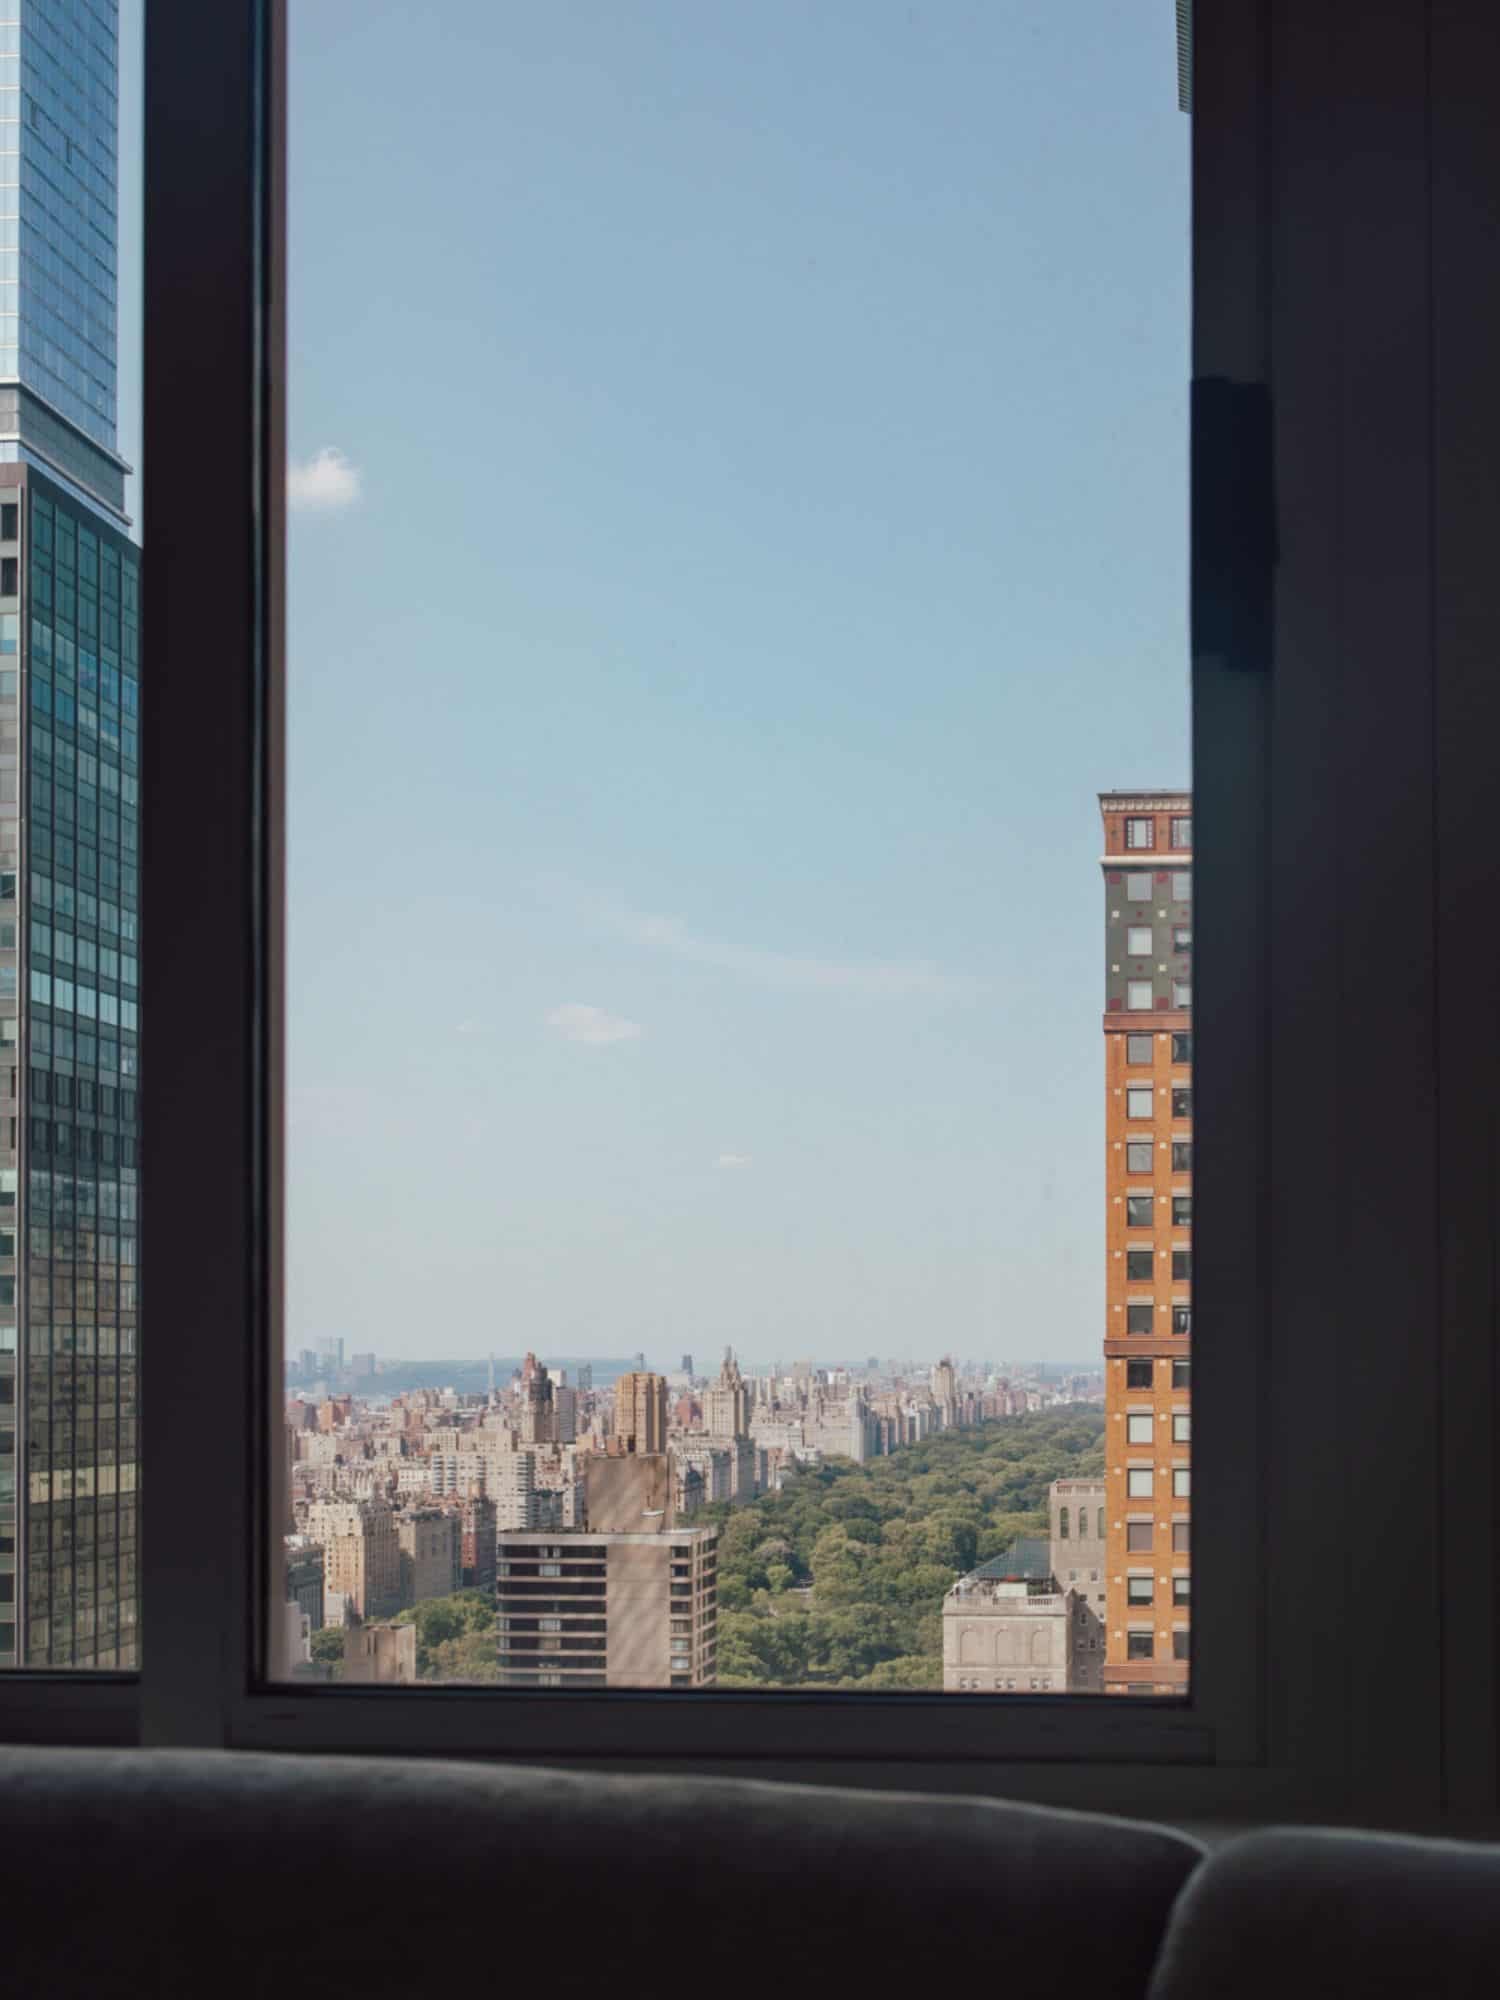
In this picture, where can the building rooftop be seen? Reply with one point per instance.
(1028, 1559)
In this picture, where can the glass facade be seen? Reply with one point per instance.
(76, 1079)
(59, 120)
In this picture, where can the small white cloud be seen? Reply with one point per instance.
(577, 1023)
(322, 484)
(728, 1160)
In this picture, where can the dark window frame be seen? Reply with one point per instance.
(1327, 282)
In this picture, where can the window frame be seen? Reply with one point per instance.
(1378, 625)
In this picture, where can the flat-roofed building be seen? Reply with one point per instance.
(604, 1609)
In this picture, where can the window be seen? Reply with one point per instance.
(9, 578)
(1182, 1048)
(1139, 1374)
(1138, 1589)
(1138, 1538)
(1182, 1156)
(1182, 993)
(1182, 1478)
(1140, 1156)
(1138, 1049)
(1138, 941)
(1182, 832)
(1182, 1374)
(1182, 1427)
(1140, 1645)
(1182, 886)
(1182, 1266)
(1140, 1212)
(1138, 1319)
(9, 521)
(1182, 1320)
(1182, 937)
(1182, 1211)
(1139, 1101)
(1140, 833)
(1181, 1642)
(1182, 1590)
(1139, 1429)
(1182, 1102)
(1138, 1482)
(1140, 1266)
(1181, 1538)
(1062, 1523)
(1137, 887)
(1140, 996)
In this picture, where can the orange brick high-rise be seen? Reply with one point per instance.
(1148, 1053)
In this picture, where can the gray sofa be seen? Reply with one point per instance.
(210, 1875)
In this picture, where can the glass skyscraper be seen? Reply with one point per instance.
(69, 826)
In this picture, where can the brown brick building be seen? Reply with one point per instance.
(1148, 1050)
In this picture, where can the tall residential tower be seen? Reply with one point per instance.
(1148, 1054)
(69, 817)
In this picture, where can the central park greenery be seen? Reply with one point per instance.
(838, 1580)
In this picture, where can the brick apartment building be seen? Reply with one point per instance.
(1148, 1052)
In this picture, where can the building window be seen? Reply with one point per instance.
(1140, 833)
(1182, 1482)
(1140, 996)
(1138, 1049)
(1182, 1374)
(1138, 1482)
(1138, 1319)
(1137, 887)
(1140, 1645)
(1062, 1523)
(1182, 993)
(1138, 1537)
(1182, 832)
(9, 580)
(1182, 1266)
(1138, 942)
(1182, 1048)
(10, 521)
(1182, 1211)
(1181, 1538)
(1140, 1156)
(1182, 1319)
(1182, 937)
(1140, 1101)
(1182, 1102)
(1182, 1428)
(1139, 1211)
(1138, 1589)
(1182, 1156)
(1139, 1266)
(1139, 1429)
(1182, 1590)
(1182, 886)
(1180, 1641)
(1139, 1374)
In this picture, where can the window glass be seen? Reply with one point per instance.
(647, 439)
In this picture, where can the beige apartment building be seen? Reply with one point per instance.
(361, 1558)
(602, 1609)
(429, 1544)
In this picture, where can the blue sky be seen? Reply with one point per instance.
(740, 494)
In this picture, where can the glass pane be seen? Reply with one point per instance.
(70, 668)
(737, 522)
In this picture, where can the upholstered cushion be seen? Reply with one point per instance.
(1356, 1915)
(146, 1873)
